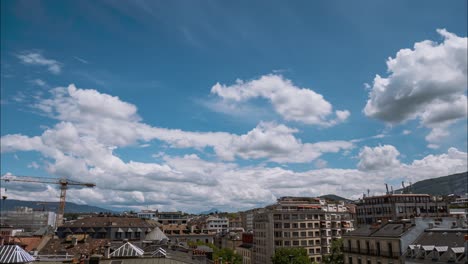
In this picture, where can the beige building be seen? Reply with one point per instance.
(387, 243)
(298, 222)
(398, 206)
(245, 250)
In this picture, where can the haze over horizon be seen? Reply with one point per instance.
(196, 105)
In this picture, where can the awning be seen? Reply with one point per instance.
(441, 249)
(428, 248)
(119, 230)
(91, 230)
(458, 250)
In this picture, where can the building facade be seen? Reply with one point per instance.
(395, 207)
(109, 227)
(28, 219)
(172, 218)
(298, 222)
(217, 224)
(387, 243)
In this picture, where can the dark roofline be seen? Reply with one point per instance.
(397, 195)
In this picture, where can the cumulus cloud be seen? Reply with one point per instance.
(114, 122)
(35, 58)
(427, 83)
(378, 158)
(91, 126)
(291, 102)
(229, 186)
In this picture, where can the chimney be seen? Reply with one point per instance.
(107, 251)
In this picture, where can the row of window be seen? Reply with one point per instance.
(303, 243)
(127, 235)
(297, 225)
(296, 217)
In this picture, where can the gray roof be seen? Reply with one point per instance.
(387, 230)
(127, 250)
(364, 230)
(446, 238)
(156, 235)
(14, 254)
(391, 230)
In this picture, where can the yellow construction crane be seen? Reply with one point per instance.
(63, 182)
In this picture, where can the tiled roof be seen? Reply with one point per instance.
(28, 243)
(127, 250)
(110, 221)
(60, 246)
(14, 254)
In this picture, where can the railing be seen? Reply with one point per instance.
(373, 252)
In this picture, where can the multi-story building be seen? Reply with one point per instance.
(298, 222)
(28, 219)
(386, 243)
(172, 217)
(246, 248)
(217, 224)
(440, 245)
(394, 207)
(109, 227)
(148, 214)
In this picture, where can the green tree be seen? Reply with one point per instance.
(336, 253)
(228, 255)
(290, 256)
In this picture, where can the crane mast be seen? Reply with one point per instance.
(62, 182)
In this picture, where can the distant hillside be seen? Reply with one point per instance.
(212, 210)
(452, 184)
(52, 206)
(334, 197)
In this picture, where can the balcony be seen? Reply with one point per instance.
(372, 252)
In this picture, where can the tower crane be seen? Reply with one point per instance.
(63, 182)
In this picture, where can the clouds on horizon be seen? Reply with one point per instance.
(427, 83)
(92, 125)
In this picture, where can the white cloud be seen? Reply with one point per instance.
(38, 82)
(91, 126)
(191, 183)
(427, 82)
(320, 163)
(291, 102)
(33, 165)
(378, 158)
(35, 58)
(406, 132)
(116, 123)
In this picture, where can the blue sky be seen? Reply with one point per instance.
(299, 63)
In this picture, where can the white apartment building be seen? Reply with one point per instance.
(217, 224)
(298, 222)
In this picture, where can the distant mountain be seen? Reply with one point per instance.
(334, 197)
(53, 206)
(212, 210)
(452, 184)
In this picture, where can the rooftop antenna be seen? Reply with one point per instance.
(386, 187)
